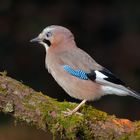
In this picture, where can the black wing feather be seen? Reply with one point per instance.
(110, 77)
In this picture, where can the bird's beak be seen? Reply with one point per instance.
(37, 39)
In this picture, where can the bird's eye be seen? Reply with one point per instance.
(48, 34)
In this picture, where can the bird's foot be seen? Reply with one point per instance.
(71, 112)
(75, 110)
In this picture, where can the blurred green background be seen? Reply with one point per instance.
(108, 30)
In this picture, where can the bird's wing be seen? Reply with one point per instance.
(103, 76)
(79, 64)
(106, 78)
(78, 59)
(77, 73)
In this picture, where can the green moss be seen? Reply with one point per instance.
(32, 103)
(3, 90)
(74, 126)
(136, 135)
(85, 133)
(51, 114)
(137, 124)
(94, 114)
(68, 124)
(58, 124)
(131, 136)
(29, 102)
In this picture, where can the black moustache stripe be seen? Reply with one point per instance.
(47, 42)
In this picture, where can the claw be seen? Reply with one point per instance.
(71, 112)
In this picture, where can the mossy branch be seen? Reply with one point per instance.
(25, 104)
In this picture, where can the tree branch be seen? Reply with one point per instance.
(25, 104)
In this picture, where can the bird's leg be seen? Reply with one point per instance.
(70, 112)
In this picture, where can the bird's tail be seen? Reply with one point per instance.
(134, 93)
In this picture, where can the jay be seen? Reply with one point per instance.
(75, 71)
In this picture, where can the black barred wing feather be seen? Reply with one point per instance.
(104, 75)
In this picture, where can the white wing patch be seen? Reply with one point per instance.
(100, 75)
(109, 87)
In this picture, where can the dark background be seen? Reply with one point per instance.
(108, 30)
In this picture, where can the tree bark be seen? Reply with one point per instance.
(34, 108)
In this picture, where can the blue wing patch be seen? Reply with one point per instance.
(92, 75)
(77, 73)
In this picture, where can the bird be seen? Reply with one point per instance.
(75, 70)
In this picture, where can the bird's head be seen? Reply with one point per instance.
(53, 35)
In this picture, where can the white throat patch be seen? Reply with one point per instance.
(45, 45)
